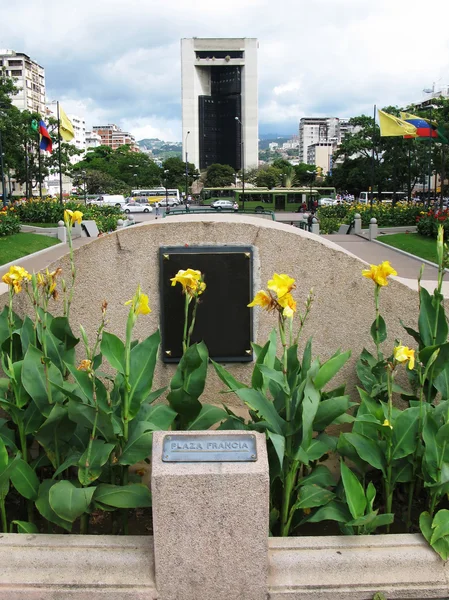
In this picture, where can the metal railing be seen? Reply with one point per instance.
(266, 214)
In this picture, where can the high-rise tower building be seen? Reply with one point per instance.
(29, 79)
(219, 101)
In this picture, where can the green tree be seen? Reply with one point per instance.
(174, 173)
(268, 176)
(219, 176)
(98, 182)
(303, 177)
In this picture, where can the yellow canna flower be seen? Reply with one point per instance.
(85, 365)
(14, 278)
(71, 217)
(403, 354)
(386, 423)
(281, 284)
(262, 299)
(191, 281)
(379, 273)
(139, 303)
(288, 304)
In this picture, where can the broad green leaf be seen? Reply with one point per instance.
(256, 401)
(25, 527)
(99, 455)
(70, 502)
(313, 495)
(379, 330)
(70, 461)
(355, 496)
(440, 525)
(334, 511)
(25, 479)
(405, 432)
(293, 366)
(310, 404)
(430, 320)
(3, 456)
(441, 546)
(27, 334)
(306, 358)
(60, 328)
(370, 495)
(329, 410)
(85, 416)
(113, 350)
(208, 416)
(43, 505)
(366, 376)
(278, 442)
(160, 416)
(32, 418)
(138, 447)
(270, 374)
(135, 495)
(227, 378)
(84, 384)
(330, 368)
(441, 382)
(320, 476)
(443, 435)
(35, 381)
(142, 363)
(435, 358)
(317, 448)
(367, 449)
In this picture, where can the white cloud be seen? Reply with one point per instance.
(120, 62)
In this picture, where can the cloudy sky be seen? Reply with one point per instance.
(118, 61)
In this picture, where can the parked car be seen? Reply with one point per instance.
(168, 202)
(132, 207)
(109, 200)
(223, 204)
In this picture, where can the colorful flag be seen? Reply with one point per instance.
(65, 126)
(424, 127)
(45, 143)
(393, 126)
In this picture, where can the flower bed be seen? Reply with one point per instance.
(386, 214)
(428, 222)
(9, 221)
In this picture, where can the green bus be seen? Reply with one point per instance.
(288, 199)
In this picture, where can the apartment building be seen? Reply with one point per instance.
(114, 137)
(322, 135)
(29, 78)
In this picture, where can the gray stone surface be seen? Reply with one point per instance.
(210, 525)
(355, 568)
(76, 567)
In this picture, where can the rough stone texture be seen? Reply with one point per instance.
(355, 568)
(74, 567)
(112, 266)
(210, 527)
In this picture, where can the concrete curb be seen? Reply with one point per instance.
(422, 260)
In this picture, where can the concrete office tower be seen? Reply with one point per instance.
(29, 78)
(219, 83)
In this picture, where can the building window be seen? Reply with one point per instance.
(15, 63)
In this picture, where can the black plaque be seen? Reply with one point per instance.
(223, 321)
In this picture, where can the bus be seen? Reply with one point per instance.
(387, 197)
(154, 195)
(288, 199)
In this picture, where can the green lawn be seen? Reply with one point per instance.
(414, 243)
(22, 244)
(41, 224)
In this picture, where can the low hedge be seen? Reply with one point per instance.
(9, 221)
(387, 215)
(52, 211)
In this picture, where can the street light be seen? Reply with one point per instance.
(430, 108)
(2, 167)
(187, 173)
(166, 188)
(84, 175)
(242, 162)
(311, 182)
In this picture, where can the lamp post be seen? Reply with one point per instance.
(84, 175)
(242, 162)
(2, 167)
(187, 172)
(166, 188)
(430, 108)
(311, 185)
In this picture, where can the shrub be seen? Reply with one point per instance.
(9, 222)
(428, 222)
(329, 224)
(387, 215)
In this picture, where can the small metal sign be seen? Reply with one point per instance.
(220, 447)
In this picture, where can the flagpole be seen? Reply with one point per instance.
(2, 168)
(40, 164)
(409, 182)
(59, 154)
(372, 161)
(442, 175)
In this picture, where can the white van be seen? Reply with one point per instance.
(110, 200)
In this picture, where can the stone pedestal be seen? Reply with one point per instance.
(210, 525)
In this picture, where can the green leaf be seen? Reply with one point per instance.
(443, 435)
(355, 496)
(3, 456)
(441, 382)
(227, 378)
(367, 449)
(334, 511)
(70, 461)
(35, 382)
(276, 376)
(310, 405)
(313, 495)
(84, 384)
(441, 546)
(142, 363)
(85, 416)
(99, 455)
(134, 495)
(113, 349)
(329, 410)
(70, 502)
(440, 525)
(430, 321)
(405, 432)
(208, 416)
(330, 368)
(278, 442)
(43, 505)
(256, 401)
(60, 328)
(379, 334)
(435, 358)
(160, 416)
(32, 418)
(25, 527)
(307, 357)
(266, 356)
(27, 334)
(320, 476)
(138, 447)
(25, 479)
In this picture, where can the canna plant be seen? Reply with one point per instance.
(287, 401)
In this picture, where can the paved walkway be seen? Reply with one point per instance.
(407, 267)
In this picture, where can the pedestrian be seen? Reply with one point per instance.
(157, 210)
(235, 206)
(310, 219)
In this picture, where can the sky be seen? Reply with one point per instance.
(118, 61)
